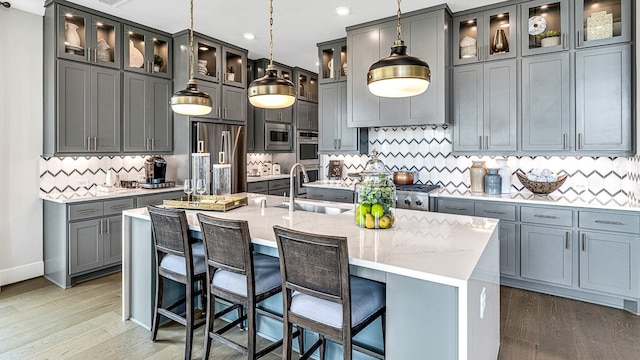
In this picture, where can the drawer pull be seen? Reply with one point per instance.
(584, 242)
(117, 207)
(454, 208)
(341, 197)
(495, 212)
(101, 229)
(545, 216)
(567, 240)
(107, 226)
(85, 211)
(605, 222)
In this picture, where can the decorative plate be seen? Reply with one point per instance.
(537, 25)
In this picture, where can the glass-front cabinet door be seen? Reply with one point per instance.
(544, 26)
(333, 62)
(87, 38)
(207, 60)
(147, 52)
(307, 86)
(483, 36)
(234, 67)
(600, 22)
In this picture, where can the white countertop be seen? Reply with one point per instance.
(330, 184)
(88, 195)
(251, 179)
(585, 201)
(441, 248)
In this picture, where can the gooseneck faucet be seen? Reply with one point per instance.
(291, 182)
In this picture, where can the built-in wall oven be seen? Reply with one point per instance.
(277, 137)
(307, 155)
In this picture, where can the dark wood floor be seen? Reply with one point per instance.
(38, 320)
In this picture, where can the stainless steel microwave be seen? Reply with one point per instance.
(278, 137)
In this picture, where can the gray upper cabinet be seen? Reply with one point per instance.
(601, 22)
(485, 107)
(546, 101)
(608, 262)
(234, 64)
(234, 104)
(334, 134)
(306, 84)
(546, 254)
(147, 52)
(86, 37)
(207, 60)
(284, 115)
(88, 109)
(485, 35)
(148, 120)
(427, 37)
(213, 90)
(306, 115)
(603, 100)
(544, 26)
(333, 61)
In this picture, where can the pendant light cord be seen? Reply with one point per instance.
(399, 25)
(270, 32)
(191, 55)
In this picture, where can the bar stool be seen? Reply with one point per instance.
(178, 260)
(239, 276)
(320, 295)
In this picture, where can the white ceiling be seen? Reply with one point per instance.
(298, 24)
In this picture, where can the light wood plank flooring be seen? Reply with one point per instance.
(38, 320)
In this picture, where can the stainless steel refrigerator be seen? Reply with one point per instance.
(226, 144)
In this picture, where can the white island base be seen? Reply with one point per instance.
(441, 273)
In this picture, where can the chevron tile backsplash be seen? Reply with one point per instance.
(428, 152)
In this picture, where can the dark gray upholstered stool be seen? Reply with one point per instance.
(320, 295)
(239, 276)
(179, 260)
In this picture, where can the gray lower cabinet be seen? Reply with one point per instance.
(546, 99)
(148, 119)
(603, 100)
(337, 195)
(94, 244)
(509, 233)
(258, 187)
(609, 263)
(157, 199)
(546, 254)
(485, 107)
(278, 187)
(87, 115)
(334, 134)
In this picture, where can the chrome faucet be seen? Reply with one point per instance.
(291, 182)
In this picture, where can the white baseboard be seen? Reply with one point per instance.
(21, 273)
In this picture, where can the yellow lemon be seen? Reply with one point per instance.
(377, 210)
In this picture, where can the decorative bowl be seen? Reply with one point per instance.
(542, 188)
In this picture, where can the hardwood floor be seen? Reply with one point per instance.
(38, 320)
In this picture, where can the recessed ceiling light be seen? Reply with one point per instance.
(343, 10)
(249, 36)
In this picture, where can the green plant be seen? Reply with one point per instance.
(158, 60)
(231, 70)
(548, 34)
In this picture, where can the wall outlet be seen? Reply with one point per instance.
(580, 185)
(83, 182)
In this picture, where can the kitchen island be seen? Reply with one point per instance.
(441, 273)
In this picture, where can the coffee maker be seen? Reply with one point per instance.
(155, 169)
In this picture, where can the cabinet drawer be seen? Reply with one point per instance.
(455, 207)
(261, 187)
(341, 196)
(547, 216)
(496, 211)
(115, 207)
(318, 194)
(609, 221)
(278, 184)
(85, 210)
(279, 192)
(157, 199)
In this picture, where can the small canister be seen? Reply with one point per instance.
(477, 172)
(493, 182)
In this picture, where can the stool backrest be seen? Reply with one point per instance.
(316, 265)
(227, 244)
(170, 232)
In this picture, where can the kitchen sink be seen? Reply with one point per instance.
(316, 208)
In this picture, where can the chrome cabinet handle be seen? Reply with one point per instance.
(564, 40)
(579, 141)
(494, 212)
(454, 208)
(95, 55)
(118, 207)
(478, 53)
(567, 239)
(108, 226)
(95, 143)
(101, 229)
(584, 242)
(545, 216)
(225, 113)
(480, 141)
(578, 38)
(89, 54)
(85, 211)
(606, 222)
(564, 141)
(339, 144)
(153, 143)
(486, 142)
(219, 111)
(88, 143)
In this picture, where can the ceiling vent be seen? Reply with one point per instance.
(114, 3)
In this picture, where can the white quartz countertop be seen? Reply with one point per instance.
(584, 201)
(88, 195)
(441, 248)
(330, 184)
(251, 179)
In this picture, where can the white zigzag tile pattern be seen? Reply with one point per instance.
(428, 151)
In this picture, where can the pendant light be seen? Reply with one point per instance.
(399, 74)
(191, 101)
(271, 91)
